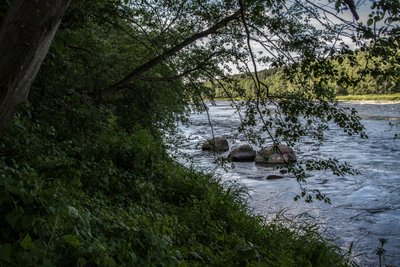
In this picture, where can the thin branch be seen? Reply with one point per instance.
(134, 75)
(231, 99)
(351, 24)
(120, 27)
(257, 83)
(352, 7)
(167, 25)
(200, 66)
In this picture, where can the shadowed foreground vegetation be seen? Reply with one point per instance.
(119, 200)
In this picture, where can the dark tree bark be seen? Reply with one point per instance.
(25, 37)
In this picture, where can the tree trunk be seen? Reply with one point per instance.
(25, 37)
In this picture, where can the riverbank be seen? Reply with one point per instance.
(372, 98)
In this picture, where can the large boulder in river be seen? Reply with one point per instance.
(216, 144)
(242, 153)
(276, 154)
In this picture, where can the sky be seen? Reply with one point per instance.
(363, 10)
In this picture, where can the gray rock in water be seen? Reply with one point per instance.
(274, 177)
(242, 153)
(276, 154)
(216, 144)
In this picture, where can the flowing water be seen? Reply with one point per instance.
(364, 208)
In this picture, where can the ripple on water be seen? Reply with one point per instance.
(367, 194)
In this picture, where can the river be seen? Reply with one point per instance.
(364, 207)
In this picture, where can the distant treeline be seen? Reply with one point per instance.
(355, 74)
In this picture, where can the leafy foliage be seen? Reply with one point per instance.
(114, 198)
(85, 178)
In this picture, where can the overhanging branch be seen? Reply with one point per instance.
(137, 72)
(199, 66)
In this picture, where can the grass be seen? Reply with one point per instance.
(371, 97)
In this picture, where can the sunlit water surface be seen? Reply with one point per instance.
(364, 208)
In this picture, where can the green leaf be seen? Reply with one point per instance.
(26, 243)
(13, 217)
(370, 21)
(72, 240)
(27, 221)
(337, 5)
(5, 252)
(109, 262)
(47, 263)
(59, 45)
(12, 189)
(26, 199)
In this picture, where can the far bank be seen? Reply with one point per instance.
(370, 98)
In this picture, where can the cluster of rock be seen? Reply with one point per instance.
(272, 155)
(243, 153)
(275, 154)
(216, 144)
